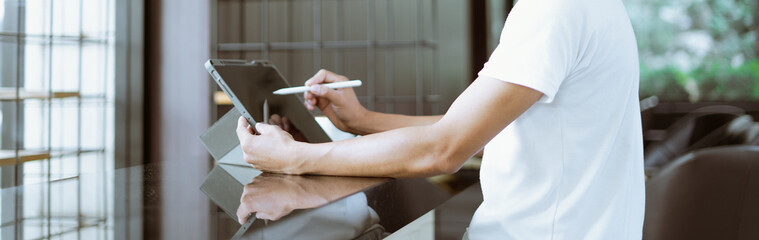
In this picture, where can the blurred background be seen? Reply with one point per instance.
(91, 89)
(697, 51)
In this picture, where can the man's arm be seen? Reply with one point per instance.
(478, 115)
(376, 122)
(272, 196)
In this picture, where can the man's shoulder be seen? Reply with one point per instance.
(565, 13)
(565, 9)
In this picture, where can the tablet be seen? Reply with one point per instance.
(249, 84)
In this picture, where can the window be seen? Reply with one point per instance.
(56, 101)
(697, 50)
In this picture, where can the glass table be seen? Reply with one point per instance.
(125, 203)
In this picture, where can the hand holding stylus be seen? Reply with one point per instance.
(341, 106)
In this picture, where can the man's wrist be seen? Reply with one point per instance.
(360, 126)
(300, 161)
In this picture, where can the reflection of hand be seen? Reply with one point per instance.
(269, 151)
(285, 124)
(272, 196)
(341, 106)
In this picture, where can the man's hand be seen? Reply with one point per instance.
(271, 151)
(341, 106)
(272, 196)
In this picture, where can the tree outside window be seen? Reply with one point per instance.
(697, 50)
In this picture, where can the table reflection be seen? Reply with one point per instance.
(313, 207)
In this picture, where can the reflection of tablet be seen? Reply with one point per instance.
(249, 84)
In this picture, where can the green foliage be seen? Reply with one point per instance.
(720, 81)
(669, 80)
(697, 50)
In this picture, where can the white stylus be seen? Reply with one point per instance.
(302, 89)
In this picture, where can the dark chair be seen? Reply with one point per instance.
(712, 193)
(752, 134)
(704, 127)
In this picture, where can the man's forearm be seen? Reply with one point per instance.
(404, 152)
(332, 188)
(375, 122)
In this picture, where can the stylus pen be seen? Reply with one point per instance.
(302, 89)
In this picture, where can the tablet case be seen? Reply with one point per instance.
(221, 138)
(249, 84)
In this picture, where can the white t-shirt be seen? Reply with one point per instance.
(571, 166)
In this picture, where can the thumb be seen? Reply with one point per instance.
(261, 215)
(265, 128)
(242, 130)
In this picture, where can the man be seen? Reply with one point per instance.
(555, 107)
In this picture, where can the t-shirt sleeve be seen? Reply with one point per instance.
(536, 49)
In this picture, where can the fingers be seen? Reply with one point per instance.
(243, 130)
(280, 121)
(286, 124)
(325, 92)
(310, 100)
(331, 95)
(324, 76)
(276, 120)
(243, 214)
(308, 106)
(265, 129)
